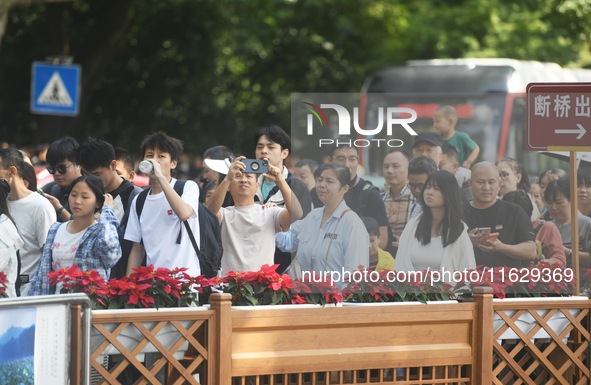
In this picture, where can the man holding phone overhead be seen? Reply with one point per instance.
(500, 231)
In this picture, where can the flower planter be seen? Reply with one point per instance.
(287, 306)
(398, 303)
(131, 336)
(526, 322)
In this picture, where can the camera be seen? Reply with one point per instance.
(256, 166)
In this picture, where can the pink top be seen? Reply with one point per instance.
(549, 236)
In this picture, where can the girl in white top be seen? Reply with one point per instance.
(332, 237)
(10, 242)
(437, 239)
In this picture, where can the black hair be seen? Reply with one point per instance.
(371, 225)
(524, 184)
(208, 186)
(584, 176)
(453, 197)
(218, 152)
(449, 150)
(96, 186)
(124, 156)
(422, 165)
(164, 143)
(29, 176)
(400, 151)
(4, 191)
(520, 198)
(342, 172)
(61, 150)
(11, 157)
(559, 186)
(95, 153)
(275, 134)
(312, 164)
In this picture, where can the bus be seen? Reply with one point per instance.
(489, 95)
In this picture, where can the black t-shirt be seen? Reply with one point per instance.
(61, 193)
(512, 224)
(126, 191)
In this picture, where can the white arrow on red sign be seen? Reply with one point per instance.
(580, 131)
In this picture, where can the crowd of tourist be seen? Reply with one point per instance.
(438, 209)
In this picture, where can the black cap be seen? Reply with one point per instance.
(429, 137)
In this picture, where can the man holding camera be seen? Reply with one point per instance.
(274, 145)
(248, 229)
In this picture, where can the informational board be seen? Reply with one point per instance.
(55, 89)
(37, 341)
(558, 116)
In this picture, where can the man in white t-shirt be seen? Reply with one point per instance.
(156, 232)
(31, 212)
(247, 228)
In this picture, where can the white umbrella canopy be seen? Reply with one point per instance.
(583, 158)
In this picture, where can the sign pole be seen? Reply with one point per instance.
(574, 220)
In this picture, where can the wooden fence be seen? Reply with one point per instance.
(404, 343)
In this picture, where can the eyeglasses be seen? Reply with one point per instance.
(60, 168)
(416, 186)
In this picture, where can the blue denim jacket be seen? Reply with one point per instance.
(99, 250)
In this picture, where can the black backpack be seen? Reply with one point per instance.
(210, 254)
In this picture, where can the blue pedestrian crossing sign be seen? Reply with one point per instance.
(55, 89)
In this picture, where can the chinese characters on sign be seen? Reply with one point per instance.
(558, 114)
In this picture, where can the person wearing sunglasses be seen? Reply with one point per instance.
(62, 164)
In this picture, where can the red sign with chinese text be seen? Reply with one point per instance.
(558, 114)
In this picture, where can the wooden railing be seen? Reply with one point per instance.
(445, 343)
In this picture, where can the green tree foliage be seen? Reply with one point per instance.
(210, 72)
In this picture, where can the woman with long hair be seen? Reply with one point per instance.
(10, 242)
(84, 241)
(438, 238)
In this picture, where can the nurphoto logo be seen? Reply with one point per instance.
(391, 117)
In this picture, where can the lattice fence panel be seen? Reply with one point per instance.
(136, 351)
(548, 346)
(441, 375)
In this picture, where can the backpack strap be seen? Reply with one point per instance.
(141, 200)
(276, 188)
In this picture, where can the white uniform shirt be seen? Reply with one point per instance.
(159, 229)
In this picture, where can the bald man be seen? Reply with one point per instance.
(515, 244)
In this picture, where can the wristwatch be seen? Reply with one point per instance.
(60, 210)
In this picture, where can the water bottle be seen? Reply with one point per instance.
(146, 167)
